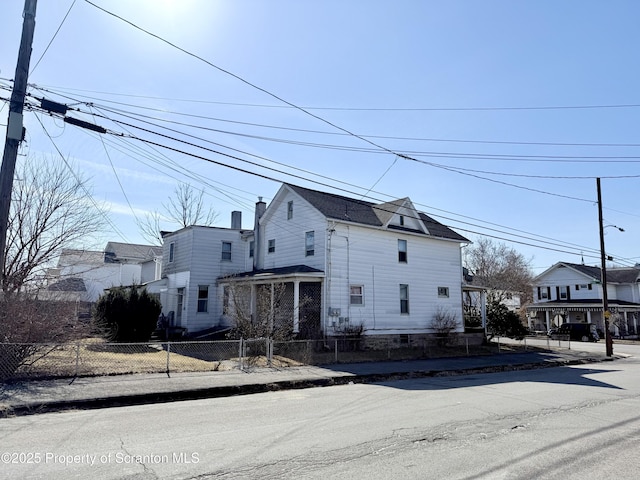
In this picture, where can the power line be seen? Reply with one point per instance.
(53, 38)
(347, 109)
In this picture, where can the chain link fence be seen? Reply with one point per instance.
(95, 357)
(100, 358)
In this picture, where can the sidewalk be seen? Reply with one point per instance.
(39, 396)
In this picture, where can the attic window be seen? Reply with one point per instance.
(290, 210)
(402, 220)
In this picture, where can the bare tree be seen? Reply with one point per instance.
(273, 315)
(51, 209)
(499, 268)
(185, 208)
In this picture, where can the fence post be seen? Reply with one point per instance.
(240, 351)
(168, 355)
(498, 344)
(269, 346)
(77, 358)
(525, 344)
(335, 349)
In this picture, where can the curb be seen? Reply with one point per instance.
(229, 391)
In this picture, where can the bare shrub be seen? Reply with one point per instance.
(445, 323)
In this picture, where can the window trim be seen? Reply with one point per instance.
(230, 244)
(203, 300)
(271, 245)
(360, 295)
(309, 248)
(172, 252)
(403, 256)
(289, 209)
(404, 302)
(443, 292)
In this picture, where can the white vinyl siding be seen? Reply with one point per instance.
(356, 260)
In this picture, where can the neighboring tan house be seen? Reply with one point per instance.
(386, 268)
(569, 292)
(193, 259)
(83, 275)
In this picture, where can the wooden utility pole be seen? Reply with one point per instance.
(14, 124)
(603, 274)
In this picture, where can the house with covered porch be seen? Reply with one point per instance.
(348, 265)
(569, 292)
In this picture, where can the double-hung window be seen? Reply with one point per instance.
(203, 298)
(356, 295)
(402, 251)
(271, 245)
(226, 251)
(309, 244)
(404, 298)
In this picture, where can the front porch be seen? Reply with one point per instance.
(624, 320)
(278, 303)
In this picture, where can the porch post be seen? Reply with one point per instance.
(296, 305)
(588, 316)
(547, 319)
(271, 309)
(483, 310)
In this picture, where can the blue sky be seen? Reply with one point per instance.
(463, 88)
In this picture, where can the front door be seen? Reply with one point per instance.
(179, 307)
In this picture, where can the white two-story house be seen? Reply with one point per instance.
(569, 292)
(387, 268)
(193, 259)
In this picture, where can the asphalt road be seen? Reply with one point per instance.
(569, 422)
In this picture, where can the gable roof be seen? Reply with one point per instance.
(71, 284)
(353, 210)
(614, 275)
(122, 252)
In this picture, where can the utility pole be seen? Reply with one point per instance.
(603, 273)
(14, 124)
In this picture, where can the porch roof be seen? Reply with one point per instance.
(592, 305)
(272, 273)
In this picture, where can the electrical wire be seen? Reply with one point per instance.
(172, 138)
(52, 38)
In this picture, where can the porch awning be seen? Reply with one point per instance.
(619, 306)
(301, 272)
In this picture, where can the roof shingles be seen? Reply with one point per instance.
(358, 211)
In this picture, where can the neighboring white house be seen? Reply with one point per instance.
(83, 275)
(385, 267)
(569, 292)
(193, 259)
